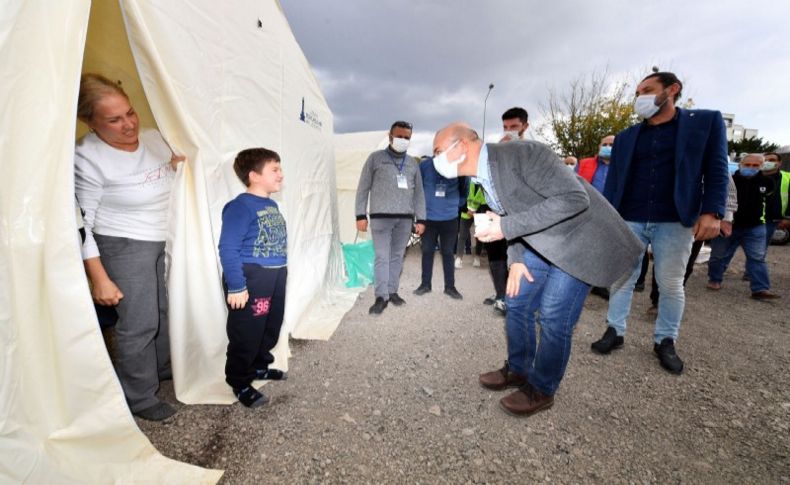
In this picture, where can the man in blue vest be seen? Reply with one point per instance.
(668, 180)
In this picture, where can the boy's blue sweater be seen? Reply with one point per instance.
(253, 231)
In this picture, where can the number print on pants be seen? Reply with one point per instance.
(260, 306)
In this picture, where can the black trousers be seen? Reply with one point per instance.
(497, 264)
(446, 233)
(253, 331)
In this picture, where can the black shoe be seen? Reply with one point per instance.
(639, 287)
(270, 375)
(378, 307)
(453, 293)
(158, 412)
(396, 300)
(250, 397)
(667, 356)
(421, 290)
(500, 307)
(602, 292)
(608, 342)
(490, 300)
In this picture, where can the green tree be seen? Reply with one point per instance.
(752, 144)
(591, 108)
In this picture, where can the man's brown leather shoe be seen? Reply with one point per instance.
(526, 401)
(497, 380)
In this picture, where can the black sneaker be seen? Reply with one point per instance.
(158, 412)
(421, 290)
(490, 300)
(667, 356)
(378, 307)
(251, 397)
(639, 287)
(270, 375)
(453, 293)
(500, 307)
(608, 342)
(396, 300)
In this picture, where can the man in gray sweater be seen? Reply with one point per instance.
(391, 185)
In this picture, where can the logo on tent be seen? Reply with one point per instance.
(310, 118)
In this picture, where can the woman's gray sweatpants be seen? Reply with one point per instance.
(141, 334)
(390, 237)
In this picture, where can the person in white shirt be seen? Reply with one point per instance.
(122, 183)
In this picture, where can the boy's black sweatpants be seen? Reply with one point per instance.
(253, 330)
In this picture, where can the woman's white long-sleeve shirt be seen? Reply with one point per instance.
(123, 194)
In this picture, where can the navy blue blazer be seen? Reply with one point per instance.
(701, 174)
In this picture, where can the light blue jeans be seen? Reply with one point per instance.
(671, 243)
(752, 240)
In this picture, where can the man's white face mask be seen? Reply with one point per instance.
(400, 145)
(448, 169)
(513, 134)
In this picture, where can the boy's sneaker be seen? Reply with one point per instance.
(250, 397)
(476, 262)
(270, 375)
(459, 263)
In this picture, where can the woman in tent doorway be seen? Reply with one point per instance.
(123, 179)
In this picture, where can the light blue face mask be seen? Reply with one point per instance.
(605, 152)
(749, 172)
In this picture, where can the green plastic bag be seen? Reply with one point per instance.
(359, 263)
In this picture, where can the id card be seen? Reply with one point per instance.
(402, 183)
(440, 190)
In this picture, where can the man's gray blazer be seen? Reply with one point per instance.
(559, 215)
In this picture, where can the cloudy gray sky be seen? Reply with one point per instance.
(430, 61)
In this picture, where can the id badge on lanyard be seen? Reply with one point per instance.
(401, 178)
(441, 190)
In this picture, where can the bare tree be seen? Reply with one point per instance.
(592, 107)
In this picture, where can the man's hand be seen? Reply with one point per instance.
(784, 224)
(492, 232)
(470, 213)
(419, 228)
(706, 227)
(362, 225)
(237, 300)
(105, 292)
(517, 271)
(726, 228)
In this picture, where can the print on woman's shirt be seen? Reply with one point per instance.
(272, 240)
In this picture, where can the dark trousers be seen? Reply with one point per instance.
(654, 293)
(253, 331)
(445, 232)
(497, 264)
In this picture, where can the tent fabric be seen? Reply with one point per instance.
(63, 418)
(219, 80)
(351, 152)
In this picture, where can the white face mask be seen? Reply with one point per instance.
(768, 166)
(400, 145)
(571, 167)
(446, 168)
(512, 134)
(645, 106)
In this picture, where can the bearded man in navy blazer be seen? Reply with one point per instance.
(668, 180)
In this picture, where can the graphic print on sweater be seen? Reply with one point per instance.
(272, 237)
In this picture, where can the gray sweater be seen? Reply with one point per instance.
(378, 183)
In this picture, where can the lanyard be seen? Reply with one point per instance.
(403, 160)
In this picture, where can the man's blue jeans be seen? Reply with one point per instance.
(558, 298)
(752, 240)
(770, 228)
(671, 243)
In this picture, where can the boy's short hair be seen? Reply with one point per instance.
(253, 159)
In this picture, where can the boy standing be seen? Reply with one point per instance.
(253, 253)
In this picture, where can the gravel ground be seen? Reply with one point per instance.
(395, 399)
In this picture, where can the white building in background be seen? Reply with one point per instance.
(737, 132)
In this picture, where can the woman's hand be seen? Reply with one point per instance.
(176, 159)
(106, 292)
(237, 300)
(517, 270)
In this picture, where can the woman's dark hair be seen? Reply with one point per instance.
(666, 79)
(253, 160)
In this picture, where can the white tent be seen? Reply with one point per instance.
(351, 152)
(217, 78)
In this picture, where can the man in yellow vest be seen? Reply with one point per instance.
(776, 203)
